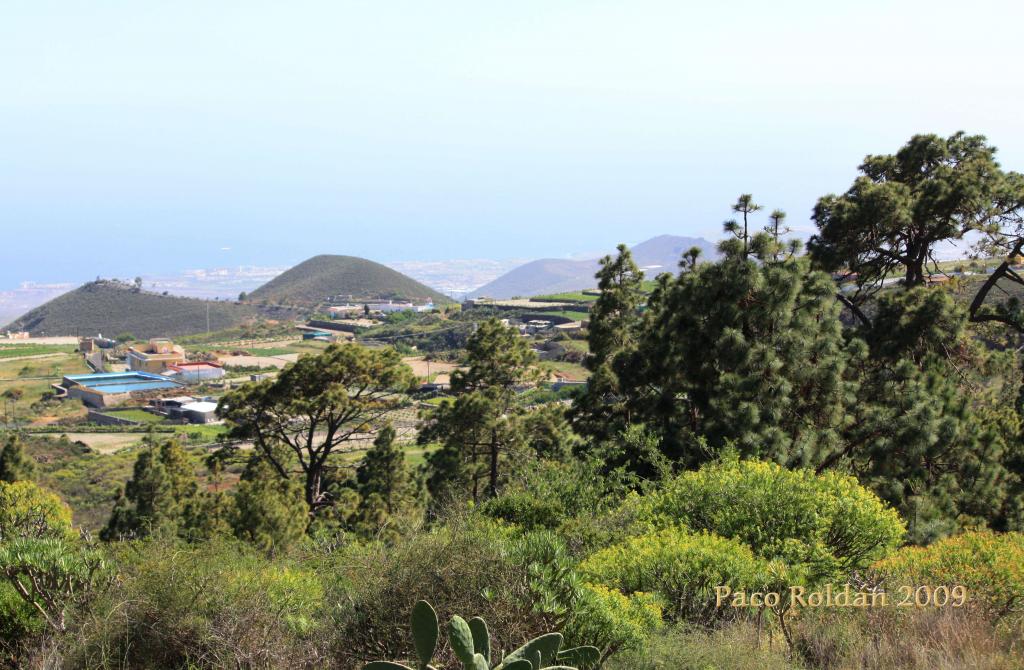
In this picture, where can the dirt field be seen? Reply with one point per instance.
(106, 443)
(441, 369)
(42, 340)
(261, 361)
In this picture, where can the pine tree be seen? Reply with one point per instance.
(270, 511)
(548, 433)
(163, 484)
(15, 464)
(384, 485)
(615, 314)
(477, 440)
(746, 354)
(383, 473)
(932, 190)
(208, 513)
(742, 243)
(478, 430)
(934, 431)
(300, 419)
(612, 337)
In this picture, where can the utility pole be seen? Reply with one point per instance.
(207, 318)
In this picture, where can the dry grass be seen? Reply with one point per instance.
(890, 639)
(731, 648)
(928, 639)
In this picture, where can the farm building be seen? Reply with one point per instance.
(155, 356)
(165, 405)
(185, 409)
(391, 307)
(109, 389)
(196, 412)
(88, 345)
(195, 373)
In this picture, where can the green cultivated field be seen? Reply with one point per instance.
(19, 350)
(572, 296)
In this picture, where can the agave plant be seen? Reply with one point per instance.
(471, 642)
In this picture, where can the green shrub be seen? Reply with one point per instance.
(217, 604)
(463, 566)
(525, 509)
(579, 485)
(19, 625)
(734, 647)
(573, 497)
(683, 567)
(42, 562)
(588, 614)
(822, 525)
(990, 566)
(613, 621)
(522, 585)
(552, 582)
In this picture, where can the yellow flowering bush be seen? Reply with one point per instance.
(30, 512)
(823, 526)
(683, 567)
(990, 566)
(613, 621)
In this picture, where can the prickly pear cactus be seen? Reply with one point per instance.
(471, 643)
(424, 632)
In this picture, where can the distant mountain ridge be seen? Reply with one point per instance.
(113, 307)
(321, 278)
(556, 275)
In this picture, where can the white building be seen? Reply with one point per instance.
(199, 412)
(195, 373)
(390, 307)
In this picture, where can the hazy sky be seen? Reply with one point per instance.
(140, 137)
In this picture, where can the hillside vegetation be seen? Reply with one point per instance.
(747, 480)
(326, 277)
(111, 307)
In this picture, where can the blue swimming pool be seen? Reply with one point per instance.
(122, 382)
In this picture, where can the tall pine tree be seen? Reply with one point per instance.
(270, 511)
(600, 412)
(478, 429)
(745, 354)
(383, 479)
(162, 486)
(15, 464)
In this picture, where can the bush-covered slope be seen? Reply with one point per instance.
(324, 277)
(111, 307)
